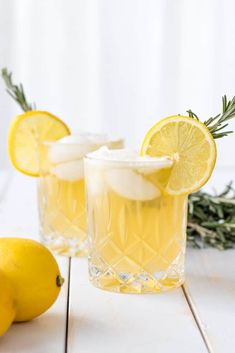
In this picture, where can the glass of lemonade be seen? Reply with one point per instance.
(136, 232)
(61, 191)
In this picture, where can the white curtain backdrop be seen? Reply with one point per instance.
(119, 65)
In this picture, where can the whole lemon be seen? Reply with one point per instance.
(34, 274)
(7, 307)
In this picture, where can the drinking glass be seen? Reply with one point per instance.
(61, 192)
(136, 232)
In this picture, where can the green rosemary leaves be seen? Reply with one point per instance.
(16, 91)
(219, 122)
(211, 219)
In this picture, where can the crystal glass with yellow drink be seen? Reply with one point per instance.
(61, 191)
(137, 206)
(137, 231)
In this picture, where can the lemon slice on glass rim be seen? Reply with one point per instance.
(27, 132)
(191, 146)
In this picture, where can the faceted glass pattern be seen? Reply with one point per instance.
(136, 233)
(61, 196)
(62, 215)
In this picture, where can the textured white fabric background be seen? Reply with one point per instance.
(119, 65)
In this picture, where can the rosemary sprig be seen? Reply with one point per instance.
(16, 91)
(219, 122)
(211, 219)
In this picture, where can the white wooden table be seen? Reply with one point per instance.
(197, 318)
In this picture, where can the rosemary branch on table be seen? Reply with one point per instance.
(211, 218)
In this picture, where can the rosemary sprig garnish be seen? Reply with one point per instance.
(16, 91)
(211, 219)
(219, 122)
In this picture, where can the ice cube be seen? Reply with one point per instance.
(131, 185)
(59, 153)
(69, 171)
(75, 146)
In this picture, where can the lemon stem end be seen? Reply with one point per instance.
(59, 281)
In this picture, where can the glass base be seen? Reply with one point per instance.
(60, 245)
(140, 282)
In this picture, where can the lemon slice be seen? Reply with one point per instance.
(26, 133)
(191, 146)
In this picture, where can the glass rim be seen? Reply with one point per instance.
(157, 162)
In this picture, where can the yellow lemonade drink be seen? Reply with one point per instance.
(61, 191)
(136, 230)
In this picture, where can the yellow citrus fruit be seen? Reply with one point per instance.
(34, 274)
(190, 145)
(27, 132)
(7, 306)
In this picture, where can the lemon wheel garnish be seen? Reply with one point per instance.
(26, 133)
(191, 146)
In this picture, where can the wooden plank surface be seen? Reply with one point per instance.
(18, 218)
(107, 322)
(211, 290)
